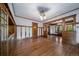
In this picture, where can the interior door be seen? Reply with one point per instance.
(34, 30)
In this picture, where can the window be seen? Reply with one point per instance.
(69, 28)
(58, 28)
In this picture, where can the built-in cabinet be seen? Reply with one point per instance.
(69, 34)
(3, 31)
(5, 28)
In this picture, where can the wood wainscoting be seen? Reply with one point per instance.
(69, 37)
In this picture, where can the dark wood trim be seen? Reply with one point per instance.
(64, 13)
(34, 30)
(6, 5)
(61, 19)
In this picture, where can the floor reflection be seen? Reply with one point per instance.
(45, 46)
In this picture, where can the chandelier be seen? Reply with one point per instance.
(42, 16)
(42, 11)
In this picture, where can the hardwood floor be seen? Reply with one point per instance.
(51, 46)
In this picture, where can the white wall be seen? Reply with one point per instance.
(77, 17)
(26, 22)
(77, 33)
(77, 28)
(22, 21)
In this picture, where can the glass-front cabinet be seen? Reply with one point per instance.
(3, 32)
(70, 24)
(7, 31)
(69, 28)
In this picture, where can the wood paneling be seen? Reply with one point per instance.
(34, 30)
(69, 37)
(65, 17)
(11, 29)
(45, 30)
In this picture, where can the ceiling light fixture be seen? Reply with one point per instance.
(42, 10)
(42, 16)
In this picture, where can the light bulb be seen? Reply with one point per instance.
(41, 17)
(44, 17)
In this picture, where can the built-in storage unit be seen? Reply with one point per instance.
(7, 31)
(3, 31)
(69, 34)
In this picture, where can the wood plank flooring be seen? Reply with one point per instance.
(51, 46)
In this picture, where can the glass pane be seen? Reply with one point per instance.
(38, 31)
(52, 29)
(42, 31)
(30, 31)
(23, 32)
(27, 30)
(69, 28)
(2, 29)
(60, 28)
(2, 22)
(2, 14)
(18, 32)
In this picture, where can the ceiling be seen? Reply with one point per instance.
(32, 10)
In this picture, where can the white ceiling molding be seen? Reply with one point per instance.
(30, 10)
